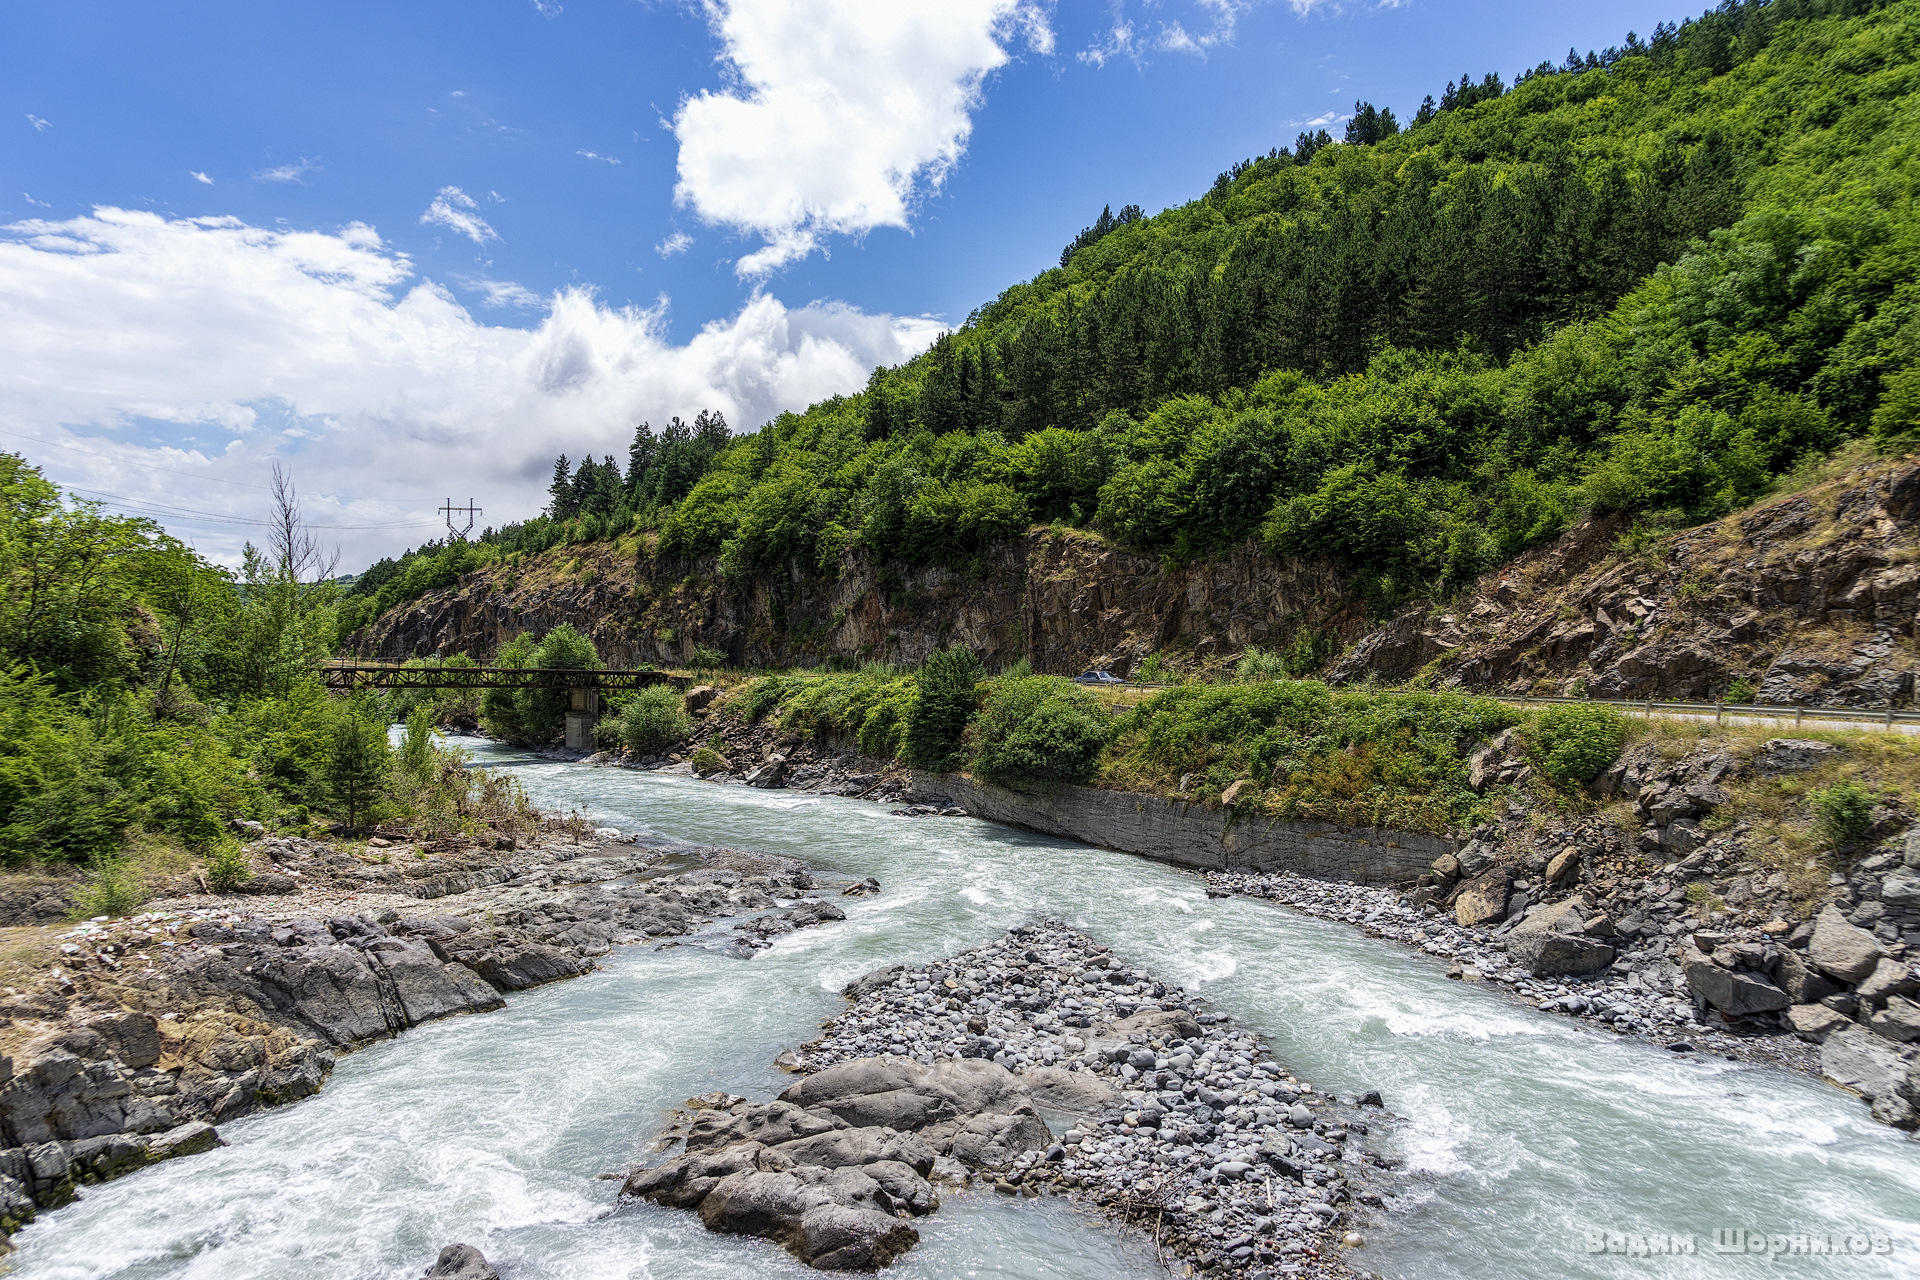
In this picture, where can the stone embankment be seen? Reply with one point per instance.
(1676, 932)
(1167, 1116)
(151, 1029)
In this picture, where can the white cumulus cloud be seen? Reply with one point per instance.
(211, 347)
(454, 210)
(198, 176)
(838, 112)
(678, 242)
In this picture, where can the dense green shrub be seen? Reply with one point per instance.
(1842, 812)
(1571, 745)
(227, 868)
(1037, 732)
(947, 700)
(1391, 760)
(762, 698)
(653, 719)
(871, 707)
(536, 716)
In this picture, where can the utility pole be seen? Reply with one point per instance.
(450, 511)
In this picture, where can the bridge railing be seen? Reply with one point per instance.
(349, 676)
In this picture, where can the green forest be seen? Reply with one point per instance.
(1655, 280)
(151, 701)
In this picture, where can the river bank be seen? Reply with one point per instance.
(150, 1030)
(1677, 912)
(491, 1130)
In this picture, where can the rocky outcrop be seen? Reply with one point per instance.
(155, 1026)
(1191, 834)
(1061, 600)
(955, 1070)
(1813, 601)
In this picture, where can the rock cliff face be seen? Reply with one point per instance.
(1812, 600)
(1063, 601)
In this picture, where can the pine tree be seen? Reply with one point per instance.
(561, 490)
(639, 459)
(357, 765)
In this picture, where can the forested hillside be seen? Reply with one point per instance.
(1652, 280)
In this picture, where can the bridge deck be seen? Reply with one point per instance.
(348, 676)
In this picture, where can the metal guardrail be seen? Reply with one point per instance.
(1882, 718)
(1870, 718)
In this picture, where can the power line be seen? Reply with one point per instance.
(143, 506)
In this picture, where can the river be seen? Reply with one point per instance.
(1524, 1131)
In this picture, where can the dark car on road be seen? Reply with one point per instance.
(1097, 677)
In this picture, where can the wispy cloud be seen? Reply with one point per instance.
(453, 209)
(547, 8)
(502, 293)
(287, 172)
(37, 203)
(678, 242)
(595, 155)
(40, 124)
(1218, 22)
(198, 176)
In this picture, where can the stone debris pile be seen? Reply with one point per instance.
(1167, 1116)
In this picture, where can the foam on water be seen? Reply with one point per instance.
(1522, 1129)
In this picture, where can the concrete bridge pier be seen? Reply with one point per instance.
(582, 712)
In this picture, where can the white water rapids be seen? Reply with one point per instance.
(1524, 1131)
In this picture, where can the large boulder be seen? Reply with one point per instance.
(1889, 978)
(996, 1141)
(1793, 755)
(1899, 1021)
(899, 1093)
(844, 1148)
(1815, 1021)
(1801, 982)
(1842, 950)
(1081, 1093)
(1483, 899)
(1733, 993)
(462, 1262)
(832, 1219)
(1552, 941)
(1855, 1058)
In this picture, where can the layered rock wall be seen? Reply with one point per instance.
(1196, 835)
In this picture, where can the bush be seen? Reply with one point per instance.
(1842, 813)
(1038, 732)
(533, 716)
(1368, 759)
(654, 719)
(763, 697)
(114, 889)
(706, 760)
(1572, 744)
(869, 706)
(938, 718)
(228, 868)
(708, 658)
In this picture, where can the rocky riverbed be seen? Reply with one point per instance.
(149, 1030)
(1040, 1063)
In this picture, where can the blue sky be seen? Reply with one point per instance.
(435, 243)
